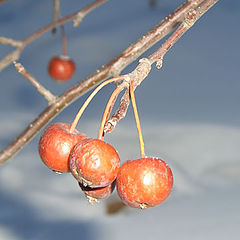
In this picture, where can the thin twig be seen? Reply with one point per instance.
(158, 55)
(42, 90)
(109, 107)
(79, 17)
(56, 13)
(119, 114)
(13, 56)
(136, 77)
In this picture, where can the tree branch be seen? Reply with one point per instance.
(190, 18)
(42, 90)
(113, 68)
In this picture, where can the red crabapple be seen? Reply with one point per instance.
(61, 68)
(94, 163)
(94, 194)
(55, 145)
(144, 183)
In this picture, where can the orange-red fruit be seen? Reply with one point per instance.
(94, 163)
(55, 145)
(61, 68)
(94, 194)
(144, 183)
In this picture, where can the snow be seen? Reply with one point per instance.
(189, 112)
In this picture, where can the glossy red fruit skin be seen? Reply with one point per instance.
(144, 183)
(55, 145)
(61, 68)
(94, 163)
(94, 194)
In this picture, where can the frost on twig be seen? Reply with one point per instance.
(9, 41)
(78, 19)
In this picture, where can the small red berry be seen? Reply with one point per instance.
(94, 163)
(94, 194)
(55, 145)
(144, 183)
(61, 68)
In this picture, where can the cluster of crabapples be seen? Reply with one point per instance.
(95, 164)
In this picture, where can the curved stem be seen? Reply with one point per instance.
(109, 107)
(89, 99)
(137, 121)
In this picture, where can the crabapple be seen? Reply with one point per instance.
(94, 194)
(55, 145)
(144, 183)
(94, 163)
(61, 68)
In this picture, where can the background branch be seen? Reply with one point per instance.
(42, 90)
(13, 56)
(9, 41)
(56, 13)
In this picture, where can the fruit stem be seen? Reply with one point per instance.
(64, 41)
(109, 107)
(137, 120)
(96, 90)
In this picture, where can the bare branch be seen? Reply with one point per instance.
(136, 77)
(42, 90)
